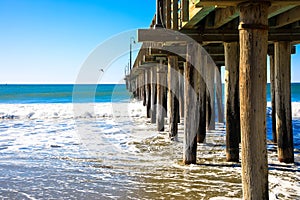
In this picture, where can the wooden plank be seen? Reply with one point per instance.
(253, 80)
(283, 102)
(196, 15)
(211, 35)
(173, 95)
(232, 102)
(190, 116)
(286, 18)
(237, 2)
(225, 15)
(278, 9)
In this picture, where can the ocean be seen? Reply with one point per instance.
(95, 142)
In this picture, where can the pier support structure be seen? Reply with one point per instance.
(153, 93)
(219, 98)
(161, 95)
(181, 92)
(232, 101)
(253, 31)
(148, 92)
(284, 129)
(273, 97)
(191, 110)
(173, 95)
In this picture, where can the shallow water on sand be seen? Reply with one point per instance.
(105, 156)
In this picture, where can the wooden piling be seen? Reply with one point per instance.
(253, 30)
(153, 94)
(148, 92)
(232, 101)
(210, 73)
(201, 133)
(273, 98)
(191, 112)
(181, 92)
(173, 95)
(283, 102)
(161, 96)
(219, 97)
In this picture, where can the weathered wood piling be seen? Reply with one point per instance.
(236, 34)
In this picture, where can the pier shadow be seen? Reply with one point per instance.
(284, 167)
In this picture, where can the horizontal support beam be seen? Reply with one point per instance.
(285, 18)
(210, 35)
(200, 3)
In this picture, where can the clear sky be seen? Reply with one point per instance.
(48, 41)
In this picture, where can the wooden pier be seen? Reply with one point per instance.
(179, 65)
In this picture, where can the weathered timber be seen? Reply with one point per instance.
(225, 15)
(273, 97)
(185, 10)
(253, 79)
(197, 15)
(283, 102)
(212, 35)
(210, 81)
(201, 133)
(181, 93)
(159, 16)
(143, 87)
(175, 15)
(168, 13)
(191, 112)
(286, 18)
(232, 101)
(148, 92)
(153, 93)
(161, 96)
(219, 98)
(237, 2)
(173, 95)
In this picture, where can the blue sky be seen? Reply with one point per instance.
(47, 41)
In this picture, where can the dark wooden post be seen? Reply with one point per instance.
(175, 15)
(201, 133)
(185, 7)
(283, 102)
(173, 95)
(161, 95)
(210, 73)
(253, 31)
(181, 92)
(148, 92)
(232, 101)
(153, 94)
(219, 98)
(190, 115)
(273, 98)
(143, 87)
(168, 13)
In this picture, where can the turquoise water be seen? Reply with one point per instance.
(28, 94)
